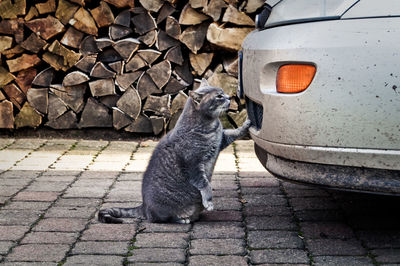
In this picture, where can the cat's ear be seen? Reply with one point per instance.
(196, 97)
(204, 83)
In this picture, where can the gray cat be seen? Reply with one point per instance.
(176, 185)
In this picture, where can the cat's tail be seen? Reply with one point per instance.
(111, 215)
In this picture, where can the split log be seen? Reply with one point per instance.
(33, 43)
(160, 73)
(101, 71)
(174, 120)
(102, 15)
(164, 41)
(198, 3)
(24, 79)
(104, 43)
(13, 27)
(121, 3)
(84, 22)
(229, 38)
(190, 16)
(5, 76)
(117, 32)
(124, 81)
(152, 5)
(72, 96)
(146, 86)
(174, 86)
(117, 67)
(120, 119)
(143, 22)
(130, 103)
(174, 55)
(183, 72)
(79, 2)
(108, 55)
(69, 57)
(193, 37)
(149, 55)
(109, 100)
(75, 78)
(149, 38)
(10, 53)
(172, 27)
(66, 121)
(233, 105)
(102, 87)
(123, 18)
(200, 62)
(5, 43)
(214, 9)
(95, 114)
(15, 95)
(65, 11)
(44, 78)
(38, 99)
(45, 27)
(11, 9)
(179, 102)
(224, 81)
(32, 13)
(27, 117)
(231, 65)
(238, 117)
(47, 7)
(23, 62)
(234, 16)
(2, 97)
(72, 38)
(253, 5)
(126, 47)
(86, 63)
(88, 46)
(135, 63)
(6, 114)
(165, 11)
(157, 124)
(56, 107)
(160, 105)
(141, 125)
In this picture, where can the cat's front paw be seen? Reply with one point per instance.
(247, 124)
(208, 205)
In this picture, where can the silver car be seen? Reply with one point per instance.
(321, 79)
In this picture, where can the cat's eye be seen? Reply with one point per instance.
(220, 96)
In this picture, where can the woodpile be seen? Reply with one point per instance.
(123, 64)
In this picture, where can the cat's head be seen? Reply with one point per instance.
(209, 100)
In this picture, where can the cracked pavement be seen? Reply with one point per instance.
(51, 190)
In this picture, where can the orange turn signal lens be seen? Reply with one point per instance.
(294, 78)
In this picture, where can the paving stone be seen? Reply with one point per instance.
(342, 260)
(20, 174)
(22, 182)
(326, 230)
(36, 196)
(60, 225)
(224, 185)
(19, 217)
(88, 192)
(100, 248)
(261, 190)
(259, 182)
(159, 255)
(27, 205)
(387, 255)
(286, 256)
(217, 247)
(49, 238)
(210, 260)
(8, 191)
(77, 202)
(134, 176)
(47, 186)
(93, 260)
(217, 230)
(15, 263)
(162, 240)
(226, 204)
(301, 193)
(70, 212)
(38, 252)
(326, 247)
(318, 203)
(266, 211)
(12, 232)
(265, 200)
(5, 246)
(159, 227)
(225, 193)
(274, 239)
(380, 239)
(100, 183)
(320, 215)
(109, 232)
(61, 173)
(270, 223)
(99, 175)
(155, 263)
(124, 195)
(220, 216)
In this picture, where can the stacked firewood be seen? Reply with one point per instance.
(126, 64)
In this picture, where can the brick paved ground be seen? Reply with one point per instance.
(51, 190)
